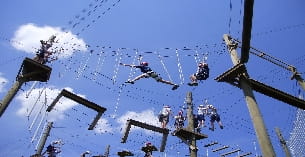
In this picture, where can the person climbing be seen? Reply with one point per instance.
(196, 123)
(202, 73)
(148, 152)
(214, 116)
(43, 54)
(202, 111)
(148, 72)
(179, 120)
(164, 116)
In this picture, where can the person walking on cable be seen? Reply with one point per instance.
(148, 72)
(201, 112)
(164, 116)
(214, 116)
(202, 73)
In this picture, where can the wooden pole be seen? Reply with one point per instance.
(259, 126)
(190, 119)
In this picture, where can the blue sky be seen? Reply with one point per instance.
(97, 35)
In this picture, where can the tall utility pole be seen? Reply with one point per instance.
(43, 140)
(259, 126)
(190, 120)
(282, 141)
(10, 95)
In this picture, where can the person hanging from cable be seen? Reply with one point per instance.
(179, 120)
(148, 72)
(164, 116)
(202, 73)
(201, 112)
(43, 54)
(214, 116)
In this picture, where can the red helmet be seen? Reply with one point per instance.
(144, 63)
(180, 112)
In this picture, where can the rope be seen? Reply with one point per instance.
(31, 89)
(164, 67)
(100, 63)
(81, 70)
(179, 68)
(118, 60)
(269, 58)
(132, 70)
(35, 102)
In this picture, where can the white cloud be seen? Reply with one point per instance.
(27, 39)
(103, 126)
(146, 116)
(3, 82)
(28, 107)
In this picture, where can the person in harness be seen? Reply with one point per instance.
(164, 116)
(179, 120)
(148, 72)
(202, 73)
(214, 116)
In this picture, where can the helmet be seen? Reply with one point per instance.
(144, 63)
(180, 112)
(202, 64)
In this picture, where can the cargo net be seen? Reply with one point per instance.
(296, 140)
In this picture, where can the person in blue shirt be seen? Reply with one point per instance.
(148, 72)
(202, 73)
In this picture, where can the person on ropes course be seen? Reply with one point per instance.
(179, 120)
(201, 74)
(201, 112)
(148, 72)
(164, 116)
(214, 116)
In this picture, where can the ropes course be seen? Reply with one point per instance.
(98, 70)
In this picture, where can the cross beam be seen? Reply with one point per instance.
(246, 34)
(130, 122)
(100, 110)
(219, 149)
(232, 76)
(231, 152)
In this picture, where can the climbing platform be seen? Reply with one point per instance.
(186, 134)
(232, 76)
(31, 70)
(100, 110)
(164, 131)
(125, 153)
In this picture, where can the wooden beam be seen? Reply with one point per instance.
(232, 76)
(164, 131)
(231, 152)
(100, 110)
(247, 27)
(219, 149)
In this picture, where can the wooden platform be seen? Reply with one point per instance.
(232, 76)
(31, 70)
(131, 122)
(186, 134)
(100, 110)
